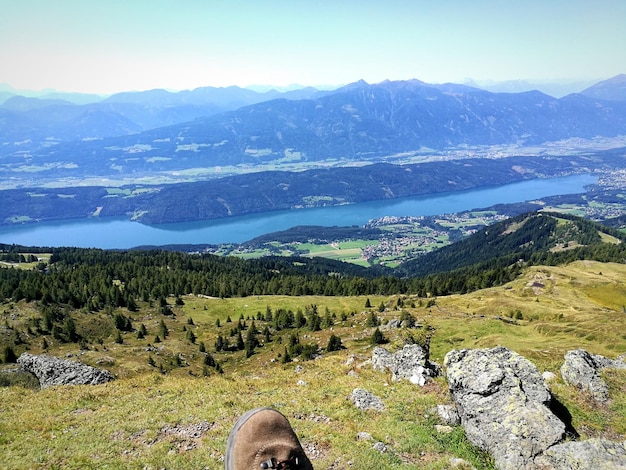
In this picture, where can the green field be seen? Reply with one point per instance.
(145, 418)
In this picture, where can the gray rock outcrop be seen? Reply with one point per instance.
(52, 371)
(411, 363)
(582, 369)
(365, 400)
(598, 454)
(503, 404)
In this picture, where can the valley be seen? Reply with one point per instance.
(291, 315)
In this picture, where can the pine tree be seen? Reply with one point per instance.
(69, 329)
(240, 343)
(219, 343)
(286, 357)
(163, 331)
(334, 343)
(372, 320)
(378, 337)
(267, 336)
(191, 337)
(209, 361)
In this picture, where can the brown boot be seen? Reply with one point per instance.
(261, 439)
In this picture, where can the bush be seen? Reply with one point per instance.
(8, 355)
(372, 320)
(19, 378)
(407, 319)
(309, 351)
(334, 343)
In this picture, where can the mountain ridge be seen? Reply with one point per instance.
(356, 122)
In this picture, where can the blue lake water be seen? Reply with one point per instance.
(122, 233)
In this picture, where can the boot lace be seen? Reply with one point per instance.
(288, 464)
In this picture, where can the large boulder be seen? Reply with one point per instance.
(52, 371)
(411, 363)
(592, 453)
(582, 369)
(503, 404)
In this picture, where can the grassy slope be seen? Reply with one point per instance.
(139, 420)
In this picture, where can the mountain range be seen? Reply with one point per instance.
(360, 122)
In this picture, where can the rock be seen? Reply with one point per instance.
(503, 403)
(365, 400)
(52, 371)
(548, 376)
(380, 447)
(449, 414)
(382, 359)
(364, 436)
(460, 463)
(411, 362)
(443, 429)
(592, 453)
(582, 369)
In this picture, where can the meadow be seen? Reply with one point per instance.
(167, 410)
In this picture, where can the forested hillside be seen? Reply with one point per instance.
(93, 279)
(281, 190)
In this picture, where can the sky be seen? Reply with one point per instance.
(107, 46)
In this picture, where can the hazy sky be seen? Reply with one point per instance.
(104, 46)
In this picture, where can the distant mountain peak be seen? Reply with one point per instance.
(612, 89)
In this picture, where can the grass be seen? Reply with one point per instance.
(142, 420)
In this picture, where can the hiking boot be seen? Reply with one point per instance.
(261, 439)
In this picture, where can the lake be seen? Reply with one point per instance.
(122, 233)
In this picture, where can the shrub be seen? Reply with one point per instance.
(8, 355)
(372, 320)
(334, 343)
(309, 351)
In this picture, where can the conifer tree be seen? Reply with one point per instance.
(334, 343)
(191, 337)
(378, 337)
(163, 331)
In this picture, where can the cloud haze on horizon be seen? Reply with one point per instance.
(105, 47)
